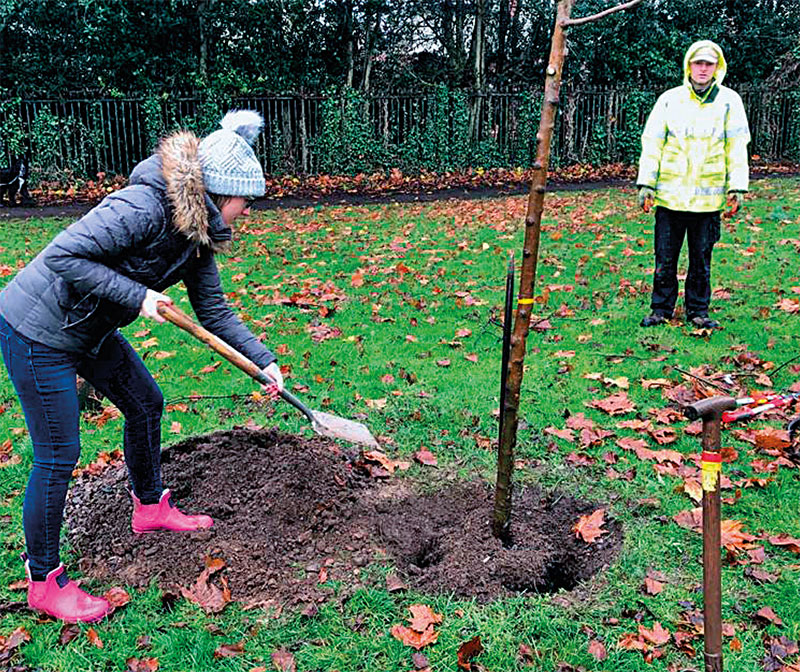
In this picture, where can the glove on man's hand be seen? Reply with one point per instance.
(646, 197)
(273, 372)
(735, 201)
(149, 306)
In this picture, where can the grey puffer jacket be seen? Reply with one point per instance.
(160, 230)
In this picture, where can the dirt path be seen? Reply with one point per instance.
(76, 210)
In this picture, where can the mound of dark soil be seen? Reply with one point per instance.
(291, 514)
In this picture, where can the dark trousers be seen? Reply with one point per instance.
(702, 230)
(45, 381)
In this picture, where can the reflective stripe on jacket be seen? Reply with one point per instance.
(694, 148)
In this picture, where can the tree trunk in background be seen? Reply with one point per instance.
(203, 8)
(503, 26)
(350, 38)
(478, 58)
(530, 254)
(373, 25)
(452, 38)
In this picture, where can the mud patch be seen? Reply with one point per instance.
(294, 516)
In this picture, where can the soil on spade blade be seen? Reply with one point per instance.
(293, 514)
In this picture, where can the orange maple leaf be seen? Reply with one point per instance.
(631, 641)
(616, 404)
(657, 636)
(732, 536)
(792, 544)
(423, 616)
(588, 527)
(415, 639)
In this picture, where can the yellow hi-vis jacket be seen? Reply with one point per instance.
(694, 149)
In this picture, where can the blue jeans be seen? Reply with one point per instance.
(702, 230)
(45, 382)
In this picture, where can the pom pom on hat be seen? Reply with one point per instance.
(246, 123)
(230, 167)
(705, 54)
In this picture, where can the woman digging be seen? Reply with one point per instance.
(60, 317)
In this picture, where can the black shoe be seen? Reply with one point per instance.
(703, 322)
(653, 320)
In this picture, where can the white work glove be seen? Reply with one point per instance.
(273, 372)
(149, 307)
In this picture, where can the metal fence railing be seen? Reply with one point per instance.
(434, 130)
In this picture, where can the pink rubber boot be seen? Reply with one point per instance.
(61, 598)
(165, 516)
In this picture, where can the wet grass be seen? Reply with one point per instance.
(404, 284)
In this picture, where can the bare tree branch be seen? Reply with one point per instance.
(599, 15)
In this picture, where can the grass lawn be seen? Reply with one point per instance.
(391, 313)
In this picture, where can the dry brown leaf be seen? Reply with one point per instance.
(117, 597)
(425, 457)
(652, 383)
(790, 543)
(652, 587)
(422, 616)
(566, 434)
(579, 421)
(732, 536)
(467, 651)
(205, 594)
(414, 639)
(632, 641)
(94, 638)
(283, 661)
(229, 650)
(693, 488)
(690, 520)
(656, 636)
(772, 438)
(588, 527)
(9, 643)
(598, 650)
(629, 443)
(394, 584)
(767, 614)
(142, 664)
(616, 404)
(69, 632)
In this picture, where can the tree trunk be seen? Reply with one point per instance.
(530, 255)
(503, 25)
(349, 36)
(477, 54)
(202, 10)
(373, 29)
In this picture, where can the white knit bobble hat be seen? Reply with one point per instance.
(230, 167)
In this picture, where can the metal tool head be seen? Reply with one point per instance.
(336, 427)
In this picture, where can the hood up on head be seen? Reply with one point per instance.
(722, 64)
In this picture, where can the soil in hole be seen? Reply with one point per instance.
(291, 514)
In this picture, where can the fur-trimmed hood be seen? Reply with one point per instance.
(175, 170)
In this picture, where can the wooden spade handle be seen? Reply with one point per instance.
(175, 315)
(172, 313)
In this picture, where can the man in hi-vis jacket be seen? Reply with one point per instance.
(694, 160)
